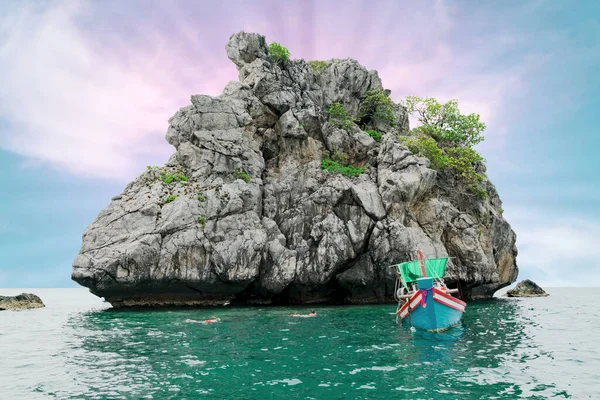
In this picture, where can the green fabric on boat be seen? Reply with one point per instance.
(411, 271)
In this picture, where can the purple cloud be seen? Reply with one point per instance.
(90, 93)
(80, 105)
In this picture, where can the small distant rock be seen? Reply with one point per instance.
(21, 302)
(526, 288)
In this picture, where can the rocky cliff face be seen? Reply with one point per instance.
(244, 211)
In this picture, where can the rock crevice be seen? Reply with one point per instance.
(243, 210)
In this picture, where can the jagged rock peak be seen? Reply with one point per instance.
(249, 209)
(243, 48)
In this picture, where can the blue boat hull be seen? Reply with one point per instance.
(434, 317)
(431, 308)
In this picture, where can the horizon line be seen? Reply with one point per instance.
(62, 287)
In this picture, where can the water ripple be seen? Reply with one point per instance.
(504, 349)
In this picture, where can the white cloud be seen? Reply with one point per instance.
(438, 53)
(555, 249)
(97, 103)
(89, 107)
(448, 72)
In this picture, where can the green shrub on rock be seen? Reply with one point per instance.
(339, 168)
(376, 105)
(463, 160)
(278, 52)
(426, 147)
(167, 178)
(317, 65)
(239, 174)
(339, 117)
(169, 198)
(374, 134)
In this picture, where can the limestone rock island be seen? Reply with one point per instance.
(270, 198)
(526, 288)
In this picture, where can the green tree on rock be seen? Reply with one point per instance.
(446, 137)
(278, 53)
(376, 105)
(444, 122)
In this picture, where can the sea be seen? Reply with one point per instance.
(80, 348)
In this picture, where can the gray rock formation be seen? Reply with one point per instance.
(254, 218)
(21, 302)
(526, 288)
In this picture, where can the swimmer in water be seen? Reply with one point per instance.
(310, 314)
(206, 321)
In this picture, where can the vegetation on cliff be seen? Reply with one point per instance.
(341, 168)
(318, 65)
(278, 52)
(446, 137)
(376, 105)
(338, 116)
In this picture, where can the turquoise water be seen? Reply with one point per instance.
(505, 349)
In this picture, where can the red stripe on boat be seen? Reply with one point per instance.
(448, 303)
(448, 300)
(446, 295)
(416, 299)
(438, 295)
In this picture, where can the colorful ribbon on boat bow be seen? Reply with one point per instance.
(424, 297)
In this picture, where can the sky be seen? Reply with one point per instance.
(87, 88)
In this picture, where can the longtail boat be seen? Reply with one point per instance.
(424, 300)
